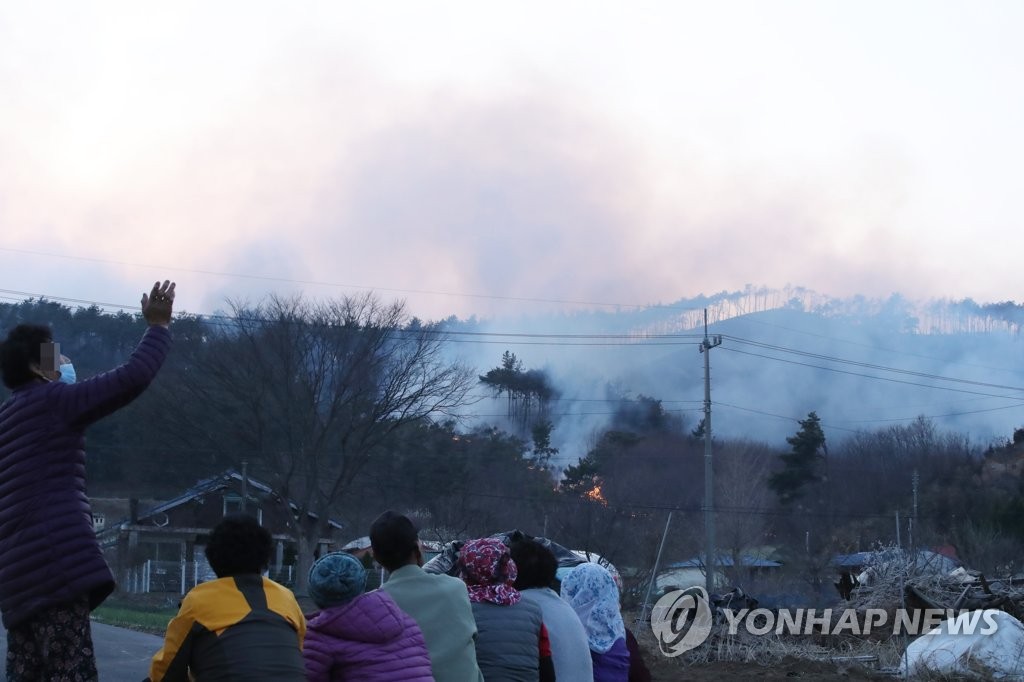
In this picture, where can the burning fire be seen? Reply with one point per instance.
(595, 495)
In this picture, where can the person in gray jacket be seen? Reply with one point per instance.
(438, 603)
(570, 651)
(512, 643)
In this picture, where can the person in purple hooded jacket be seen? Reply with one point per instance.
(591, 592)
(359, 637)
(52, 572)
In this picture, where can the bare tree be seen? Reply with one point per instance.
(310, 392)
(742, 499)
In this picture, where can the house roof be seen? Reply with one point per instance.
(357, 545)
(855, 560)
(925, 557)
(209, 485)
(363, 544)
(724, 561)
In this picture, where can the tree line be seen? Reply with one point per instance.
(350, 406)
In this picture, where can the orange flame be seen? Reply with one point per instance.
(596, 495)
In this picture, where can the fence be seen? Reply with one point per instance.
(178, 577)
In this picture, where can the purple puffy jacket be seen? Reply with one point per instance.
(48, 549)
(369, 639)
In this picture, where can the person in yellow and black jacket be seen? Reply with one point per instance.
(241, 626)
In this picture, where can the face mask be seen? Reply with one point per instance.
(67, 373)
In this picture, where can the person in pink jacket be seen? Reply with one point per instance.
(359, 637)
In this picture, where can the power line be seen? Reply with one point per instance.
(494, 338)
(629, 340)
(871, 376)
(339, 285)
(753, 320)
(938, 416)
(833, 426)
(867, 365)
(576, 414)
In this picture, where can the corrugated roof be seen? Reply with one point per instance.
(746, 560)
(924, 557)
(209, 485)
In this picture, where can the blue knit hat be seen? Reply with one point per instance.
(335, 579)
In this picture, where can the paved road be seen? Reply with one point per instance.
(121, 655)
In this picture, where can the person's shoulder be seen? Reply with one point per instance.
(377, 603)
(538, 594)
(448, 582)
(404, 574)
(203, 592)
(31, 393)
(546, 598)
(440, 584)
(276, 590)
(273, 585)
(533, 608)
(215, 585)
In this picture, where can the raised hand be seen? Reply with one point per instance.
(157, 306)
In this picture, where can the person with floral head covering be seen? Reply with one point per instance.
(512, 643)
(590, 590)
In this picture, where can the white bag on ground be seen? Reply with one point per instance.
(956, 647)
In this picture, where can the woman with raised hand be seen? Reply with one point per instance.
(52, 572)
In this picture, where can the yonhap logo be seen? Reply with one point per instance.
(681, 620)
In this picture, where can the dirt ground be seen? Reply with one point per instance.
(667, 670)
(770, 667)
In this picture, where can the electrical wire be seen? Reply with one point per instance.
(339, 285)
(634, 340)
(868, 365)
(869, 376)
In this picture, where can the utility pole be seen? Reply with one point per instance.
(654, 573)
(709, 485)
(245, 487)
(917, 480)
(913, 515)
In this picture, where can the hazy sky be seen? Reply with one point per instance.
(608, 152)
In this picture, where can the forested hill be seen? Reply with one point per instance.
(895, 313)
(772, 369)
(859, 363)
(326, 404)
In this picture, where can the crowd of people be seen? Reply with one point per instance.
(494, 622)
(501, 619)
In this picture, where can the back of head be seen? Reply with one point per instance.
(393, 538)
(335, 579)
(536, 563)
(20, 350)
(589, 583)
(486, 561)
(239, 545)
(487, 568)
(592, 593)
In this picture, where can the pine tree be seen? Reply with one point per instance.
(800, 466)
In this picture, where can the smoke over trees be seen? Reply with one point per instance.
(348, 407)
(528, 392)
